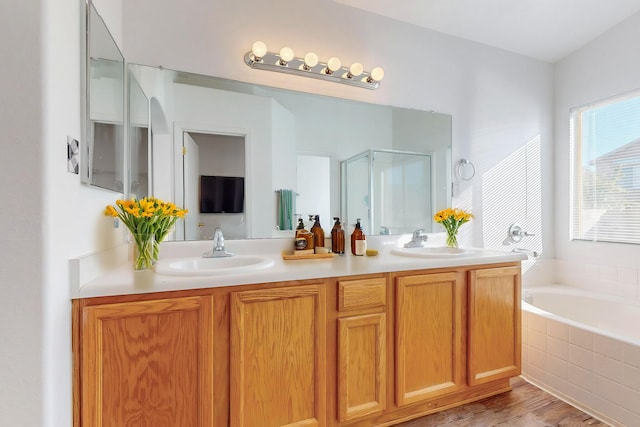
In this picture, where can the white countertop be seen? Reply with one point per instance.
(121, 279)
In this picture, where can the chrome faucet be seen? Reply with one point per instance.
(417, 240)
(534, 254)
(218, 246)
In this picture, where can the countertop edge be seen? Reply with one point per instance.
(123, 280)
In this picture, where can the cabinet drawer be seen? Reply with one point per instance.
(362, 293)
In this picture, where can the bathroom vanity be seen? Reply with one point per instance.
(348, 341)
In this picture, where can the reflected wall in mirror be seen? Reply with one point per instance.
(103, 149)
(139, 141)
(277, 126)
(313, 178)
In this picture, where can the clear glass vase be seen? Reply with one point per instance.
(145, 251)
(452, 239)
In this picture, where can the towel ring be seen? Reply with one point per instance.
(465, 170)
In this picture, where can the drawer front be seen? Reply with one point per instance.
(362, 293)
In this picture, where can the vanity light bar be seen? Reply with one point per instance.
(309, 66)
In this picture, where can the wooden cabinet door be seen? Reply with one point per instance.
(494, 324)
(361, 365)
(278, 357)
(147, 363)
(429, 336)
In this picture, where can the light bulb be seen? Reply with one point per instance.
(286, 54)
(377, 74)
(259, 49)
(310, 60)
(355, 70)
(333, 65)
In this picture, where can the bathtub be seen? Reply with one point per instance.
(584, 347)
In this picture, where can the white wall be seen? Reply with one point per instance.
(220, 154)
(73, 222)
(608, 66)
(499, 100)
(21, 251)
(49, 215)
(283, 143)
(111, 13)
(313, 195)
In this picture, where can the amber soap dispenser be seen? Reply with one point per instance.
(337, 237)
(318, 233)
(358, 242)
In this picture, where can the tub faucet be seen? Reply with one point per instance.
(218, 246)
(417, 240)
(534, 254)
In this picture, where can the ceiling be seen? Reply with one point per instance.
(547, 30)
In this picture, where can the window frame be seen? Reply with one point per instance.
(576, 176)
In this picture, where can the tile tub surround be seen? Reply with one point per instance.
(596, 373)
(609, 279)
(622, 281)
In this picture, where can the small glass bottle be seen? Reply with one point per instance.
(318, 233)
(358, 242)
(337, 237)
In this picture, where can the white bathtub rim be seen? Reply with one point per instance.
(556, 288)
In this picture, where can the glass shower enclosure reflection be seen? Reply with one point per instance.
(390, 191)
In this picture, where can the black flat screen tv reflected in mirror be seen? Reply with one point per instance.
(221, 194)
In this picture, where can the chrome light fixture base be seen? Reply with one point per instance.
(272, 62)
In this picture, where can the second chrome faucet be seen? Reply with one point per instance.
(417, 240)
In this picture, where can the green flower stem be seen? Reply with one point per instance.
(452, 226)
(452, 240)
(146, 251)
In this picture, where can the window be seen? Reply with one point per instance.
(605, 172)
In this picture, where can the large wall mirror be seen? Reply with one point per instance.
(103, 149)
(203, 126)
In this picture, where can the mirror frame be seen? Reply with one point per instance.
(88, 143)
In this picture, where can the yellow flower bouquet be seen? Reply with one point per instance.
(451, 219)
(149, 220)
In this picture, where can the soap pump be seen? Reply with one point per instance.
(358, 242)
(318, 233)
(337, 237)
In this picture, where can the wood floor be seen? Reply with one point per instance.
(524, 406)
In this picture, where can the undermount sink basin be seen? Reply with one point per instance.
(198, 266)
(432, 252)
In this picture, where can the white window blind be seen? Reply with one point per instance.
(605, 171)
